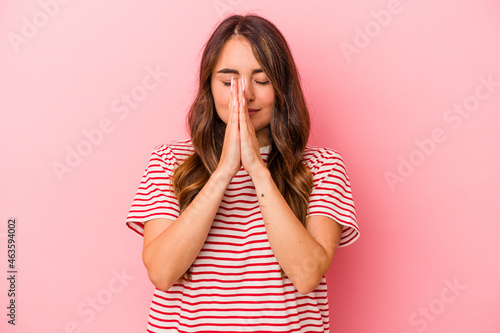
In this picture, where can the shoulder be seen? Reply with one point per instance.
(320, 157)
(174, 151)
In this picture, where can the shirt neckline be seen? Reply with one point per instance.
(265, 149)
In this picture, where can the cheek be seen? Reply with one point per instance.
(269, 98)
(221, 100)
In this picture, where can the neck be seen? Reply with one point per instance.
(263, 136)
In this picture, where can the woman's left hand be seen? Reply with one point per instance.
(250, 153)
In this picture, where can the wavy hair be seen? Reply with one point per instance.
(289, 127)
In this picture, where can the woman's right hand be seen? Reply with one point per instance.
(230, 160)
(171, 246)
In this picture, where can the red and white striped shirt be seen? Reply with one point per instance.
(236, 281)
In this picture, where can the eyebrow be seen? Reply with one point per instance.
(234, 71)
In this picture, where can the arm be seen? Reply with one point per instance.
(170, 247)
(304, 254)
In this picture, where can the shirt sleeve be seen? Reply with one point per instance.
(155, 197)
(331, 195)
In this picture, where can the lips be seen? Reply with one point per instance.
(252, 111)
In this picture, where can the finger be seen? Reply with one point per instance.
(231, 93)
(242, 107)
(230, 103)
(234, 106)
(241, 92)
(244, 115)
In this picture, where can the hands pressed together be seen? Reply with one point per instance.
(241, 146)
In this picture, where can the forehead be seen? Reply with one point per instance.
(237, 54)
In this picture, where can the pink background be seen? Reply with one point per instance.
(384, 81)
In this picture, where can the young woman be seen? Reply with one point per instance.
(241, 222)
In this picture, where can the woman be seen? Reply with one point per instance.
(241, 222)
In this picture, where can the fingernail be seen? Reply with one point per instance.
(232, 84)
(243, 83)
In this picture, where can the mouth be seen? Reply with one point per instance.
(252, 111)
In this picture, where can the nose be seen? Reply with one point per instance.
(247, 89)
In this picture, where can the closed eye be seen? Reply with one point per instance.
(227, 84)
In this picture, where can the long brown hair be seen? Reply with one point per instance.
(290, 124)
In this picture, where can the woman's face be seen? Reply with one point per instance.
(237, 60)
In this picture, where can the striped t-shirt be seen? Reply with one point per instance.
(236, 283)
